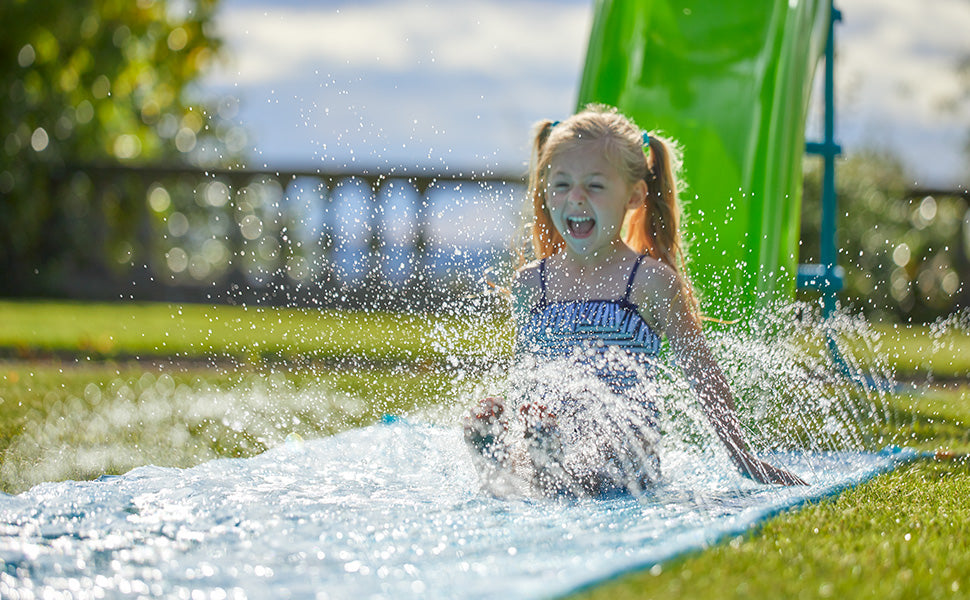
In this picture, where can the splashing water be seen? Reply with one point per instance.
(399, 511)
(789, 396)
(158, 419)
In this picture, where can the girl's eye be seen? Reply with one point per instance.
(560, 186)
(596, 186)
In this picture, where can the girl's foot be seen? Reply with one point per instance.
(540, 428)
(485, 428)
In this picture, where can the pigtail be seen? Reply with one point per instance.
(660, 215)
(654, 228)
(546, 240)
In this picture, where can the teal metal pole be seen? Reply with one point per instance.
(827, 275)
(828, 252)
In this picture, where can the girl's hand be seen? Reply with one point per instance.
(762, 472)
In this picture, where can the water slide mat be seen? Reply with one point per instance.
(386, 511)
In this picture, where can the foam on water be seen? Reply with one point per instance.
(389, 511)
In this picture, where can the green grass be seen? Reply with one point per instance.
(935, 419)
(853, 546)
(921, 350)
(77, 406)
(256, 334)
(211, 380)
(901, 535)
(248, 334)
(81, 420)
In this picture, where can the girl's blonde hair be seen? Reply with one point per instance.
(652, 228)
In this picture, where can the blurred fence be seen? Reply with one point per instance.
(414, 239)
(285, 237)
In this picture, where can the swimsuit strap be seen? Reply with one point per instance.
(542, 282)
(626, 296)
(629, 283)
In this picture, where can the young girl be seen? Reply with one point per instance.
(608, 284)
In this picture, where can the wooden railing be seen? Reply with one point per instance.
(288, 236)
(282, 236)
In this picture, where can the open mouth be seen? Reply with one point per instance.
(580, 227)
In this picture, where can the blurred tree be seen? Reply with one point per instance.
(906, 258)
(91, 81)
(962, 101)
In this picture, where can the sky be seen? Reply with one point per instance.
(457, 85)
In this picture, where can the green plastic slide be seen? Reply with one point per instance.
(730, 81)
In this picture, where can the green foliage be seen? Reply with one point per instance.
(905, 258)
(92, 82)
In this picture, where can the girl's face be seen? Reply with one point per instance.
(587, 197)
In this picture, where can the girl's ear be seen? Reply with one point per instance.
(638, 195)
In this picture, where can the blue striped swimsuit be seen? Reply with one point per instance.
(607, 336)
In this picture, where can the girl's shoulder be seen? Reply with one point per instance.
(655, 286)
(527, 283)
(654, 272)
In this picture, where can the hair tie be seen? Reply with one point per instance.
(646, 143)
(554, 123)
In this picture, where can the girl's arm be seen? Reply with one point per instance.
(680, 324)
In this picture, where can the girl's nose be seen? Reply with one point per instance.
(577, 195)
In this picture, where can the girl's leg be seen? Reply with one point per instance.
(613, 458)
(542, 436)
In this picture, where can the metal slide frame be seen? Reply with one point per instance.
(826, 276)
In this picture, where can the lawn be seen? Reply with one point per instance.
(921, 351)
(901, 535)
(231, 381)
(240, 334)
(257, 335)
(66, 420)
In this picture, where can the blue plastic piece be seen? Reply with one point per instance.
(820, 277)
